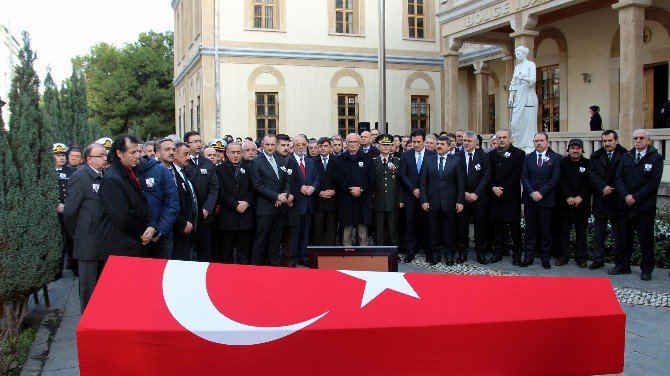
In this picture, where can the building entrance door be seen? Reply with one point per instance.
(655, 94)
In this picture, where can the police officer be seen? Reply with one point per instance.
(387, 193)
(63, 173)
(106, 142)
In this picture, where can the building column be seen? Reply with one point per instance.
(526, 38)
(451, 91)
(631, 25)
(482, 98)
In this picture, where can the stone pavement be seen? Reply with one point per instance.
(54, 351)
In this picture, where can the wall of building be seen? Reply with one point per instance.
(308, 96)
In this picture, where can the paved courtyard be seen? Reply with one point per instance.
(647, 306)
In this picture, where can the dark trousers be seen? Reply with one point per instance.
(266, 245)
(402, 240)
(600, 233)
(442, 235)
(580, 225)
(416, 228)
(538, 232)
(182, 246)
(161, 248)
(89, 273)
(235, 241)
(215, 242)
(287, 245)
(504, 232)
(68, 248)
(301, 238)
(325, 228)
(203, 241)
(386, 224)
(644, 228)
(476, 212)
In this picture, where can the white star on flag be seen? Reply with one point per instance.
(377, 282)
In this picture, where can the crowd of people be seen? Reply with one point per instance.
(264, 202)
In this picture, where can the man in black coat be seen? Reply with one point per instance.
(283, 152)
(354, 178)
(505, 198)
(442, 185)
(416, 220)
(325, 206)
(127, 226)
(200, 171)
(574, 203)
(272, 182)
(63, 173)
(539, 178)
(603, 165)
(83, 218)
(477, 169)
(637, 181)
(236, 196)
(187, 224)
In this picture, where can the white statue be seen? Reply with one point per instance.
(523, 102)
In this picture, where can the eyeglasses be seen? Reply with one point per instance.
(639, 138)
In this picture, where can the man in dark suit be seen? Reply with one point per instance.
(83, 217)
(272, 182)
(200, 171)
(127, 226)
(187, 224)
(387, 194)
(63, 173)
(539, 178)
(603, 165)
(637, 181)
(366, 144)
(354, 178)
(285, 153)
(325, 206)
(442, 196)
(477, 169)
(574, 203)
(307, 183)
(236, 195)
(416, 219)
(505, 200)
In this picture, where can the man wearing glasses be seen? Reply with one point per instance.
(201, 171)
(82, 217)
(637, 182)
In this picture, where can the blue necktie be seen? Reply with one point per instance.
(441, 166)
(418, 163)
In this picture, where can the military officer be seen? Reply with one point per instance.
(387, 193)
(220, 146)
(63, 173)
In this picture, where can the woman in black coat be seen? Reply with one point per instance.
(596, 123)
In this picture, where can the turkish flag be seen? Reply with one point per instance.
(157, 317)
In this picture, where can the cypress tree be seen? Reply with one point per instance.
(75, 110)
(30, 241)
(52, 110)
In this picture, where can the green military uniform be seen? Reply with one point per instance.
(387, 194)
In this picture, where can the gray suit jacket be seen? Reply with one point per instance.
(83, 213)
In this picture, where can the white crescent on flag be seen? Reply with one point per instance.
(185, 293)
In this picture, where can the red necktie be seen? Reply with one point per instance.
(302, 168)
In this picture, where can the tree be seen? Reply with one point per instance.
(130, 88)
(29, 247)
(52, 110)
(76, 127)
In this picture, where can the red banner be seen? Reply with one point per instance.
(157, 317)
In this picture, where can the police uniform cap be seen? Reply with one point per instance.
(385, 139)
(217, 144)
(576, 141)
(59, 148)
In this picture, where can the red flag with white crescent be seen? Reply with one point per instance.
(157, 317)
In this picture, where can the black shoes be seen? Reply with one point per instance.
(461, 259)
(645, 276)
(409, 258)
(596, 265)
(547, 264)
(560, 262)
(482, 259)
(526, 263)
(449, 262)
(516, 261)
(495, 258)
(618, 271)
(581, 263)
